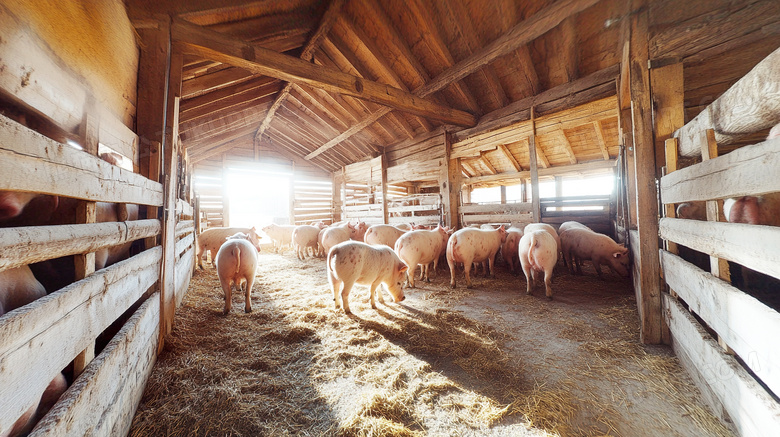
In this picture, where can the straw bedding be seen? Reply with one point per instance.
(485, 361)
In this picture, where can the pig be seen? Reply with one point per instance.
(692, 211)
(404, 226)
(549, 229)
(383, 234)
(236, 263)
(470, 245)
(755, 210)
(509, 248)
(421, 247)
(18, 287)
(305, 236)
(538, 252)
(340, 233)
(280, 234)
(569, 258)
(212, 239)
(599, 248)
(353, 262)
(360, 231)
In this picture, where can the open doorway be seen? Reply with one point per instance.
(258, 195)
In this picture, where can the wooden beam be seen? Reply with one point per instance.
(649, 286)
(487, 163)
(669, 104)
(214, 81)
(532, 147)
(450, 183)
(540, 156)
(259, 60)
(385, 211)
(567, 147)
(598, 128)
(748, 106)
(583, 168)
(709, 150)
(521, 34)
(330, 16)
(505, 151)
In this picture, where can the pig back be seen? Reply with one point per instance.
(236, 259)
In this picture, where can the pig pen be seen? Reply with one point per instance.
(486, 361)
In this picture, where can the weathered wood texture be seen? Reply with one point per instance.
(115, 380)
(26, 245)
(749, 245)
(32, 162)
(744, 323)
(39, 340)
(750, 170)
(750, 105)
(751, 409)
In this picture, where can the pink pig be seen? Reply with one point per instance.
(538, 252)
(421, 247)
(471, 245)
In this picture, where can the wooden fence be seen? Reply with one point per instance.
(39, 340)
(746, 388)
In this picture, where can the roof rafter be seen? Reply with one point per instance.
(259, 60)
(505, 151)
(328, 19)
(599, 129)
(522, 33)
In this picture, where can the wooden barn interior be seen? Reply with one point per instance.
(384, 112)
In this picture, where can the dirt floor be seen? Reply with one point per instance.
(489, 361)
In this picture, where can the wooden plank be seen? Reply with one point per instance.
(497, 218)
(750, 105)
(668, 100)
(508, 155)
(745, 324)
(115, 381)
(220, 47)
(40, 339)
(32, 162)
(567, 148)
(709, 150)
(585, 167)
(749, 170)
(26, 245)
(450, 183)
(750, 245)
(497, 208)
(598, 128)
(184, 274)
(751, 409)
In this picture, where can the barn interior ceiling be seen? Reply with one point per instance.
(334, 82)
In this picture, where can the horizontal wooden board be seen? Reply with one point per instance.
(749, 170)
(31, 162)
(40, 339)
(183, 208)
(114, 381)
(26, 245)
(468, 219)
(497, 208)
(756, 247)
(745, 324)
(183, 274)
(752, 410)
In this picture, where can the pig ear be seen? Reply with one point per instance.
(618, 254)
(402, 268)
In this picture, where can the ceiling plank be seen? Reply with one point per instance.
(468, 169)
(260, 95)
(328, 19)
(214, 81)
(223, 48)
(505, 151)
(599, 129)
(225, 93)
(291, 156)
(518, 36)
(541, 158)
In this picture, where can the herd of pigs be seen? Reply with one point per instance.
(390, 255)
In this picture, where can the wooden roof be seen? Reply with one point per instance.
(334, 82)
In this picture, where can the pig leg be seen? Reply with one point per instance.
(467, 268)
(451, 263)
(597, 267)
(410, 274)
(225, 282)
(528, 277)
(248, 299)
(335, 287)
(375, 292)
(345, 296)
(547, 281)
(492, 261)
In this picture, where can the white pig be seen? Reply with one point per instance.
(338, 234)
(236, 264)
(538, 253)
(354, 262)
(509, 248)
(547, 228)
(470, 245)
(383, 234)
(281, 235)
(212, 239)
(599, 248)
(569, 258)
(305, 236)
(421, 247)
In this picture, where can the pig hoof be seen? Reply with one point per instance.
(247, 310)
(452, 286)
(469, 286)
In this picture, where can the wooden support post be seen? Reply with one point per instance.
(558, 190)
(625, 130)
(153, 166)
(383, 169)
(503, 193)
(292, 193)
(450, 182)
(225, 197)
(648, 286)
(170, 152)
(537, 209)
(671, 165)
(86, 212)
(196, 218)
(338, 182)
